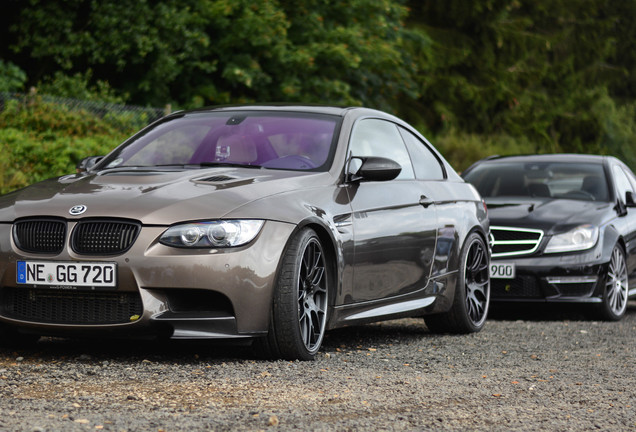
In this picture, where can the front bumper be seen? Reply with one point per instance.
(573, 278)
(161, 290)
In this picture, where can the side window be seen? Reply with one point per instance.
(425, 163)
(373, 137)
(630, 177)
(622, 182)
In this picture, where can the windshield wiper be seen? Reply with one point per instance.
(171, 167)
(143, 167)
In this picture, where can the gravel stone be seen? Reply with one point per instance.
(529, 369)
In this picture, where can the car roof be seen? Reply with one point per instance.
(306, 108)
(353, 111)
(558, 157)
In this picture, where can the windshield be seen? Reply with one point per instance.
(546, 180)
(252, 139)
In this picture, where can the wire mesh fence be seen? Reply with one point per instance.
(123, 117)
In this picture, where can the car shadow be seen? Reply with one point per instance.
(132, 351)
(360, 337)
(376, 335)
(352, 338)
(548, 311)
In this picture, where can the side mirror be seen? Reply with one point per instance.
(87, 163)
(629, 199)
(372, 168)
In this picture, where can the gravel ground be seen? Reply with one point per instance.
(539, 370)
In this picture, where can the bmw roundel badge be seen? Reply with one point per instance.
(77, 210)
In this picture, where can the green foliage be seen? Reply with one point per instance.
(531, 69)
(197, 52)
(79, 87)
(557, 75)
(39, 140)
(619, 129)
(29, 157)
(339, 53)
(462, 149)
(349, 53)
(12, 78)
(622, 83)
(41, 117)
(43, 114)
(139, 47)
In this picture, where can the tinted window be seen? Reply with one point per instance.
(294, 141)
(580, 181)
(425, 163)
(372, 137)
(622, 182)
(630, 177)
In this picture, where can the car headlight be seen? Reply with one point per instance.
(580, 238)
(212, 234)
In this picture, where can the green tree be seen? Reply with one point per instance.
(12, 78)
(198, 52)
(555, 75)
(525, 68)
(139, 47)
(622, 62)
(349, 53)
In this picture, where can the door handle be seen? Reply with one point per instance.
(425, 201)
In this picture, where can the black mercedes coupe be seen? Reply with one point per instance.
(563, 229)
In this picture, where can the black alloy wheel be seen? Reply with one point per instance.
(301, 299)
(615, 295)
(472, 295)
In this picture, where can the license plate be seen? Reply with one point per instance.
(67, 274)
(501, 270)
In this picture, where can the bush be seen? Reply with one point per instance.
(26, 157)
(619, 129)
(462, 149)
(12, 78)
(79, 86)
(40, 140)
(37, 116)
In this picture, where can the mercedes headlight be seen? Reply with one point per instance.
(580, 238)
(212, 234)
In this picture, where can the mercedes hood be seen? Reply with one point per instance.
(549, 215)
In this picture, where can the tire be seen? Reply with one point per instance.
(472, 294)
(300, 306)
(616, 290)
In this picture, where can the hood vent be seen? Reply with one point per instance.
(216, 179)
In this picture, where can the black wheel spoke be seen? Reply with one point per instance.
(312, 295)
(477, 282)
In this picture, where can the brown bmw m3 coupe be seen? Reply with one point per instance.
(271, 224)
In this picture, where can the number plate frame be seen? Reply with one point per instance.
(66, 274)
(502, 270)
